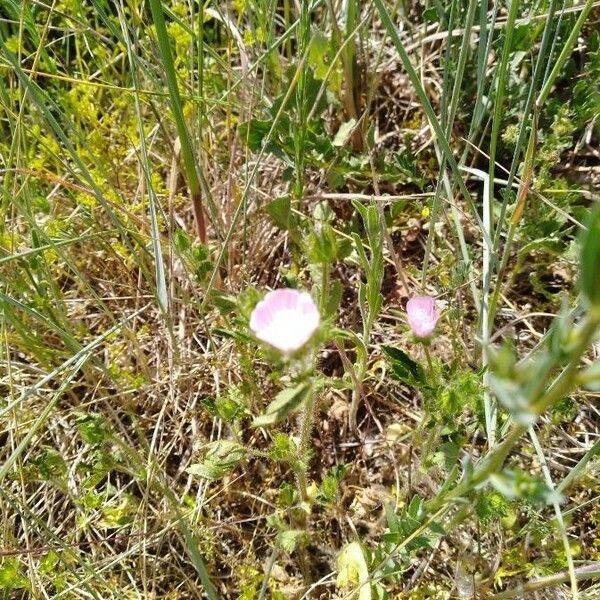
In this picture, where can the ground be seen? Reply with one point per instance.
(164, 165)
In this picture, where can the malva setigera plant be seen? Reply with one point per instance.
(286, 319)
(299, 300)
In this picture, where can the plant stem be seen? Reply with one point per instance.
(306, 425)
(561, 386)
(591, 571)
(270, 564)
(324, 287)
(429, 361)
(301, 520)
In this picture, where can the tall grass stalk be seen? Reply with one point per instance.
(187, 151)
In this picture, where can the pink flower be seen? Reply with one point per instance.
(422, 315)
(286, 319)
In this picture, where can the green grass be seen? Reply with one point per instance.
(163, 164)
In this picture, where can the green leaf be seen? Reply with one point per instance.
(221, 457)
(224, 302)
(415, 508)
(253, 132)
(447, 455)
(353, 571)
(187, 153)
(402, 526)
(313, 100)
(119, 514)
(514, 484)
(363, 305)
(182, 240)
(318, 53)
(511, 394)
(283, 448)
(343, 133)
(334, 297)
(290, 538)
(92, 428)
(287, 495)
(375, 299)
(431, 15)
(10, 578)
(590, 260)
(286, 402)
(280, 211)
(369, 295)
(360, 251)
(490, 505)
(404, 368)
(49, 562)
(372, 227)
(330, 484)
(321, 245)
(230, 406)
(50, 464)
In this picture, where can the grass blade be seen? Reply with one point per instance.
(187, 151)
(426, 104)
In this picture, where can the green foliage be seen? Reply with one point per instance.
(586, 91)
(343, 133)
(11, 577)
(590, 260)
(320, 149)
(514, 483)
(491, 506)
(448, 390)
(322, 245)
(119, 511)
(289, 539)
(447, 454)
(92, 428)
(283, 448)
(220, 457)
(97, 467)
(321, 53)
(250, 580)
(230, 406)
(288, 496)
(407, 523)
(286, 402)
(49, 465)
(197, 256)
(462, 391)
(280, 211)
(329, 490)
(353, 571)
(370, 298)
(514, 398)
(404, 368)
(590, 377)
(564, 411)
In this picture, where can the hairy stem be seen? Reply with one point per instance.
(306, 425)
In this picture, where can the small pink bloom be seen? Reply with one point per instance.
(286, 319)
(422, 315)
